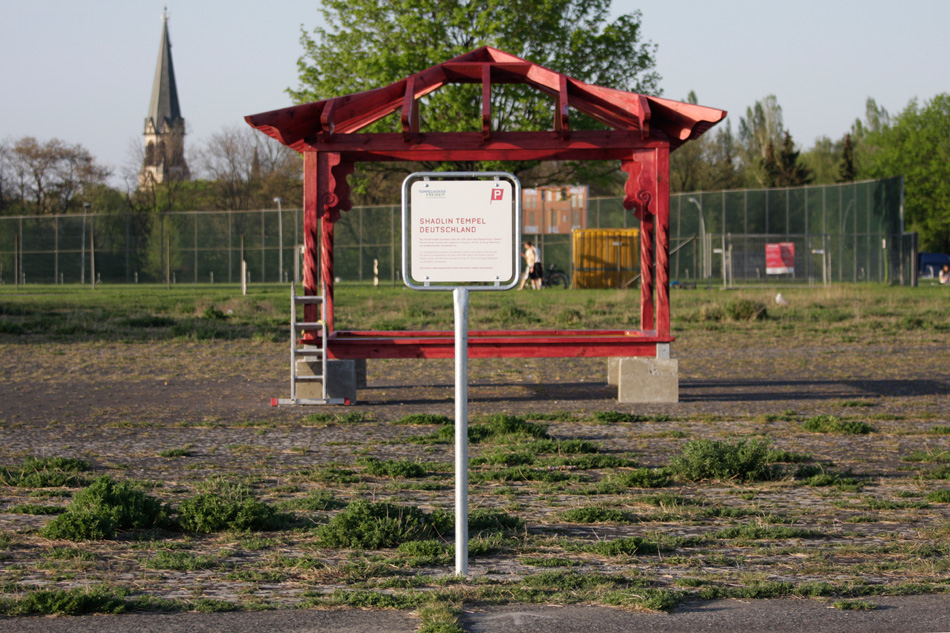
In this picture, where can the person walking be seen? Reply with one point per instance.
(530, 259)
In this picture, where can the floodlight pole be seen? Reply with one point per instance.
(82, 245)
(280, 240)
(702, 237)
(461, 431)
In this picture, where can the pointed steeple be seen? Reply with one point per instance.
(164, 105)
(164, 126)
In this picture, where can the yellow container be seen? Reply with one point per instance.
(605, 258)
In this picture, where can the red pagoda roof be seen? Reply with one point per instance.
(635, 120)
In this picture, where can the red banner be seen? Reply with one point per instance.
(780, 258)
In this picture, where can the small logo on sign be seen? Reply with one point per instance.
(497, 194)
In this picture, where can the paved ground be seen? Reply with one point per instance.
(122, 404)
(909, 614)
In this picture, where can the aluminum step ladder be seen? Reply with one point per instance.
(313, 352)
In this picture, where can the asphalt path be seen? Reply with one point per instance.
(904, 614)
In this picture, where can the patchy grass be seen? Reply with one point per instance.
(833, 424)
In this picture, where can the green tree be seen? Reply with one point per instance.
(785, 169)
(847, 169)
(369, 44)
(707, 163)
(760, 127)
(916, 144)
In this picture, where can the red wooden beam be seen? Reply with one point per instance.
(438, 146)
(496, 344)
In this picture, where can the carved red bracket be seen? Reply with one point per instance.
(337, 196)
(637, 194)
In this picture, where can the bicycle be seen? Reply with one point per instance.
(555, 277)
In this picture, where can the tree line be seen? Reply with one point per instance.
(238, 169)
(367, 44)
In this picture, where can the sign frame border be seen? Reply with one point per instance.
(462, 175)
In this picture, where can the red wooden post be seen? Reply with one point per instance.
(646, 272)
(310, 234)
(662, 205)
(326, 192)
(638, 195)
(326, 264)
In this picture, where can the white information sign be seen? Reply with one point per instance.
(461, 231)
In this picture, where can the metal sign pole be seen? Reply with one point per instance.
(459, 242)
(461, 431)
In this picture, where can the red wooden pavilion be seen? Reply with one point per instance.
(643, 131)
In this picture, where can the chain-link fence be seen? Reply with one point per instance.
(849, 232)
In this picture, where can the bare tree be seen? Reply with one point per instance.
(248, 170)
(49, 176)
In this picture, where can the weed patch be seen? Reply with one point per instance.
(487, 521)
(66, 602)
(595, 514)
(931, 456)
(740, 460)
(939, 496)
(47, 472)
(765, 532)
(625, 546)
(421, 419)
(35, 509)
(402, 468)
(503, 428)
(179, 561)
(833, 424)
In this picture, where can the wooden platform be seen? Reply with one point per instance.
(496, 344)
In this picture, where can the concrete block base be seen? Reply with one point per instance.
(360, 372)
(646, 380)
(341, 380)
(613, 371)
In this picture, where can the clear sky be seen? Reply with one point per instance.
(82, 71)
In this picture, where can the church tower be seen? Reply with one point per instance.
(164, 127)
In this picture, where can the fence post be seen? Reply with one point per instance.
(92, 255)
(168, 275)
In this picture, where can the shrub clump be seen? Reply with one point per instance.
(742, 460)
(746, 310)
(365, 525)
(213, 512)
(103, 508)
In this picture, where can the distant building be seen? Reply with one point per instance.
(554, 209)
(164, 126)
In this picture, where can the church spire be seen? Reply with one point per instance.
(164, 105)
(164, 125)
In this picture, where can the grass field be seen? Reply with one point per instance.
(203, 312)
(810, 456)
